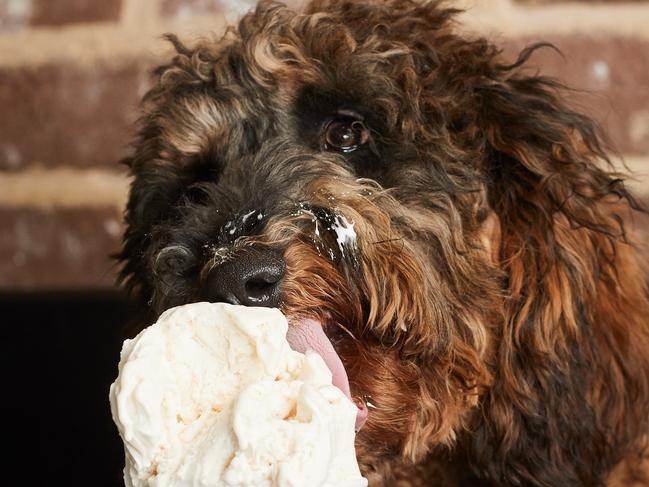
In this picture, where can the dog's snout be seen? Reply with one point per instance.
(252, 278)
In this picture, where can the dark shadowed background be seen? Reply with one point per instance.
(71, 74)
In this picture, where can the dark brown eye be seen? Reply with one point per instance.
(345, 134)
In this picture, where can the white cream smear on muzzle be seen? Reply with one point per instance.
(212, 395)
(345, 233)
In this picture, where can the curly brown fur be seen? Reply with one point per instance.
(492, 308)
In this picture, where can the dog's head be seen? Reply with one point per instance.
(379, 177)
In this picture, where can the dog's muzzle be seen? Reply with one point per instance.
(252, 277)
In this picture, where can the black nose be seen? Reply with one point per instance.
(253, 278)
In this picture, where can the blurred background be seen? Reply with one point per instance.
(71, 75)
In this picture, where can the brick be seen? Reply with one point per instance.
(183, 9)
(14, 14)
(68, 114)
(638, 166)
(64, 187)
(231, 9)
(58, 248)
(19, 14)
(495, 17)
(546, 2)
(61, 12)
(610, 74)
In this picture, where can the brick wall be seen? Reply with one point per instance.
(72, 71)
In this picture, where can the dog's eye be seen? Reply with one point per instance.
(345, 134)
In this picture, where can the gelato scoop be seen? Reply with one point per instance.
(213, 395)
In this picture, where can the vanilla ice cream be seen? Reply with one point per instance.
(212, 395)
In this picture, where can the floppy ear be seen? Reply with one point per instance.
(170, 159)
(571, 394)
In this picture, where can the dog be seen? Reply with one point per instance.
(451, 224)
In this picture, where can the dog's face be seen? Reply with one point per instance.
(317, 162)
(352, 166)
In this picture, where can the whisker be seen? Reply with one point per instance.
(388, 241)
(346, 330)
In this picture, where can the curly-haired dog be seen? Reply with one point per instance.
(445, 217)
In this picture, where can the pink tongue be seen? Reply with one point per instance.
(308, 335)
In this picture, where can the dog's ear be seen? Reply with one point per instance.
(156, 191)
(571, 391)
(171, 159)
